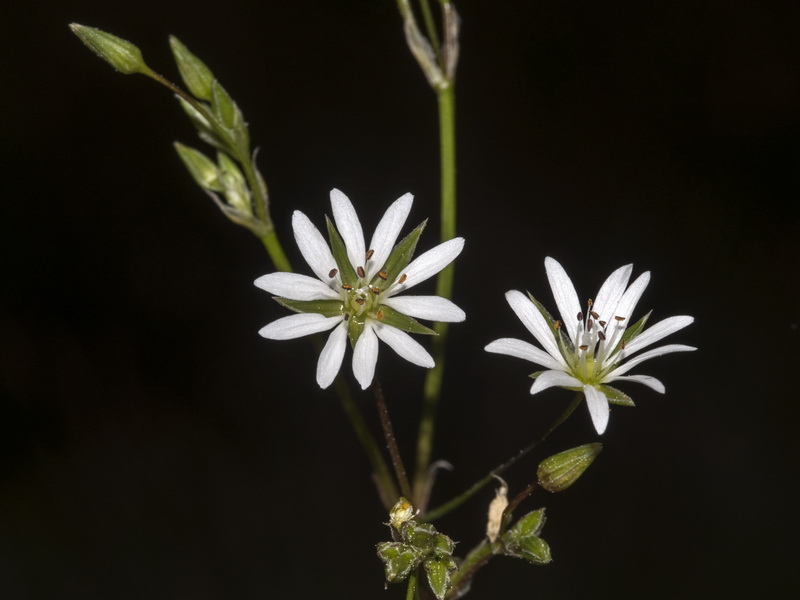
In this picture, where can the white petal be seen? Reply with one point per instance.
(365, 356)
(386, 233)
(650, 382)
(295, 326)
(406, 346)
(550, 379)
(657, 332)
(597, 403)
(627, 366)
(433, 308)
(627, 304)
(429, 264)
(565, 295)
(524, 350)
(330, 359)
(607, 299)
(349, 227)
(534, 322)
(295, 287)
(312, 246)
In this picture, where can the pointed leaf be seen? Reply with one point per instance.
(339, 251)
(329, 308)
(389, 316)
(615, 396)
(399, 258)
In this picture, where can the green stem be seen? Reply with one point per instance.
(476, 559)
(477, 486)
(391, 441)
(444, 288)
(411, 591)
(430, 26)
(275, 251)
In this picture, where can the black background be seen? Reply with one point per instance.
(153, 446)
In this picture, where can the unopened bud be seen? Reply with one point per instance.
(201, 168)
(560, 471)
(120, 54)
(400, 513)
(194, 72)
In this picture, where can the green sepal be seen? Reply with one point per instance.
(556, 473)
(194, 72)
(535, 550)
(339, 251)
(530, 524)
(399, 258)
(355, 327)
(326, 308)
(223, 105)
(200, 167)
(523, 541)
(635, 329)
(234, 184)
(398, 560)
(615, 396)
(120, 54)
(419, 535)
(204, 128)
(398, 320)
(438, 572)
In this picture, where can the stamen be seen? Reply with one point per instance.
(360, 301)
(346, 316)
(383, 275)
(333, 273)
(601, 335)
(361, 273)
(622, 345)
(369, 254)
(590, 303)
(379, 315)
(557, 325)
(619, 318)
(584, 347)
(594, 314)
(347, 286)
(602, 323)
(402, 279)
(589, 324)
(376, 290)
(580, 316)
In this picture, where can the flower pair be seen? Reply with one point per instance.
(356, 294)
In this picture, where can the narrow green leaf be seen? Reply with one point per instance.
(346, 270)
(200, 167)
(399, 258)
(327, 308)
(194, 72)
(389, 316)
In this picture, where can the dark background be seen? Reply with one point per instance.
(153, 446)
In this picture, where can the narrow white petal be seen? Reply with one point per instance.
(429, 264)
(625, 307)
(607, 299)
(330, 359)
(295, 287)
(386, 233)
(565, 295)
(406, 346)
(349, 227)
(597, 403)
(526, 351)
(365, 356)
(650, 382)
(534, 322)
(295, 326)
(657, 332)
(550, 379)
(661, 350)
(433, 308)
(312, 246)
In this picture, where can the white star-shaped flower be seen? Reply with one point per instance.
(356, 293)
(587, 351)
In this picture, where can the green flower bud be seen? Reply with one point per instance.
(234, 185)
(400, 513)
(438, 572)
(523, 541)
(560, 471)
(120, 54)
(201, 168)
(195, 74)
(398, 560)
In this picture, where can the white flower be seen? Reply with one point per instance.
(586, 351)
(357, 287)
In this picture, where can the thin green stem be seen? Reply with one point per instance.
(275, 251)
(478, 485)
(411, 591)
(444, 288)
(391, 441)
(430, 27)
(477, 558)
